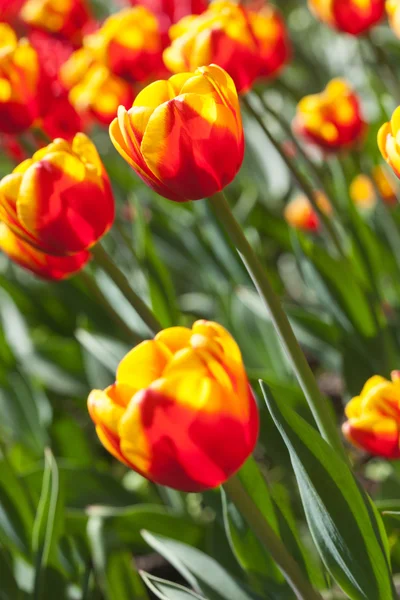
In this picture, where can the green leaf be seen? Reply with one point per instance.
(9, 588)
(48, 526)
(166, 590)
(114, 568)
(202, 573)
(347, 532)
(16, 514)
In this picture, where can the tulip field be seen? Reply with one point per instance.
(199, 299)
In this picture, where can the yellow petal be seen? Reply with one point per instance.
(143, 364)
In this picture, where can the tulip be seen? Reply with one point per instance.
(374, 417)
(350, 16)
(181, 411)
(129, 44)
(20, 78)
(100, 93)
(59, 201)
(41, 264)
(65, 19)
(362, 192)
(393, 13)
(331, 119)
(300, 214)
(183, 136)
(247, 44)
(385, 184)
(388, 143)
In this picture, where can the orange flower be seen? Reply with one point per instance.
(300, 214)
(42, 264)
(181, 411)
(374, 417)
(388, 136)
(20, 78)
(66, 18)
(332, 119)
(247, 44)
(351, 16)
(59, 201)
(183, 136)
(129, 44)
(362, 192)
(385, 184)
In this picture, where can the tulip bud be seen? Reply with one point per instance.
(20, 78)
(59, 201)
(247, 44)
(39, 263)
(129, 44)
(300, 214)
(65, 18)
(181, 411)
(177, 131)
(331, 119)
(350, 16)
(374, 418)
(388, 141)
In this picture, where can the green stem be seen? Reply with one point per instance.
(94, 290)
(113, 271)
(384, 64)
(267, 536)
(299, 177)
(301, 367)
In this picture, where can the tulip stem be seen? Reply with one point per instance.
(120, 280)
(299, 177)
(94, 290)
(270, 540)
(317, 403)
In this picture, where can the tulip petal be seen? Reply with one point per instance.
(143, 364)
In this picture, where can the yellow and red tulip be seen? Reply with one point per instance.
(331, 119)
(181, 411)
(389, 146)
(41, 264)
(350, 16)
(300, 214)
(177, 130)
(59, 201)
(374, 417)
(129, 44)
(20, 79)
(248, 44)
(65, 18)
(99, 93)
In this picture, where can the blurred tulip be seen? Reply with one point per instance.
(65, 18)
(59, 201)
(61, 119)
(99, 94)
(20, 79)
(362, 192)
(350, 16)
(388, 136)
(9, 10)
(177, 131)
(300, 214)
(374, 417)
(169, 12)
(247, 44)
(331, 119)
(181, 412)
(385, 184)
(129, 44)
(32, 259)
(393, 13)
